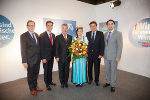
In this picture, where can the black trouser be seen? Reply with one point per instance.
(63, 67)
(92, 59)
(48, 67)
(32, 75)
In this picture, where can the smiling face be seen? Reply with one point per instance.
(93, 27)
(31, 26)
(49, 27)
(80, 32)
(111, 25)
(64, 29)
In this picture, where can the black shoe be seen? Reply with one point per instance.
(62, 86)
(97, 84)
(112, 89)
(89, 82)
(49, 88)
(53, 83)
(66, 85)
(106, 85)
(77, 85)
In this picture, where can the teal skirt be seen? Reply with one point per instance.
(79, 74)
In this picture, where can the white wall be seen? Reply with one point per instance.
(19, 11)
(134, 59)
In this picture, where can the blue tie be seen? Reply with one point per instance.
(93, 36)
(33, 37)
(108, 37)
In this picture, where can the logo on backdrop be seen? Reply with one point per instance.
(58, 23)
(103, 26)
(139, 34)
(6, 31)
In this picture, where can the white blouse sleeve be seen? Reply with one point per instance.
(85, 39)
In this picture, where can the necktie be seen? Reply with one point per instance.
(65, 38)
(93, 36)
(33, 37)
(51, 38)
(108, 37)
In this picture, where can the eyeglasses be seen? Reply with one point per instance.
(31, 25)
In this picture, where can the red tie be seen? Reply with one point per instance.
(65, 38)
(51, 38)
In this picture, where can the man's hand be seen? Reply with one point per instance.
(117, 60)
(100, 56)
(44, 60)
(25, 65)
(57, 59)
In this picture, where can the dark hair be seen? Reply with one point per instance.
(109, 21)
(49, 22)
(77, 29)
(93, 22)
(30, 21)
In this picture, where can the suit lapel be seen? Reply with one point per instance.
(37, 39)
(89, 35)
(111, 38)
(29, 36)
(96, 36)
(62, 37)
(53, 37)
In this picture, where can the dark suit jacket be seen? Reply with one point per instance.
(98, 43)
(30, 51)
(62, 51)
(47, 49)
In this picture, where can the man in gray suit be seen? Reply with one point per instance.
(112, 53)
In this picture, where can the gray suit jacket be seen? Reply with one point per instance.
(113, 48)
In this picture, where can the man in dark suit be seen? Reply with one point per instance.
(47, 40)
(95, 51)
(62, 55)
(30, 52)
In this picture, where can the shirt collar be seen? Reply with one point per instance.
(94, 31)
(48, 32)
(111, 31)
(64, 35)
(31, 33)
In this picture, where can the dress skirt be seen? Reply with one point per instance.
(79, 73)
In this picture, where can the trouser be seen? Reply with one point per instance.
(48, 67)
(63, 67)
(32, 75)
(110, 71)
(96, 61)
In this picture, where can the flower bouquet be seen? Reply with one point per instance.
(78, 49)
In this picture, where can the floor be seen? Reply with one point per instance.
(129, 87)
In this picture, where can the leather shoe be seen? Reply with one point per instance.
(38, 89)
(106, 85)
(97, 84)
(49, 88)
(66, 85)
(89, 82)
(62, 86)
(112, 89)
(33, 92)
(53, 83)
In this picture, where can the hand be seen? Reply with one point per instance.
(117, 60)
(25, 65)
(57, 59)
(44, 60)
(100, 56)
